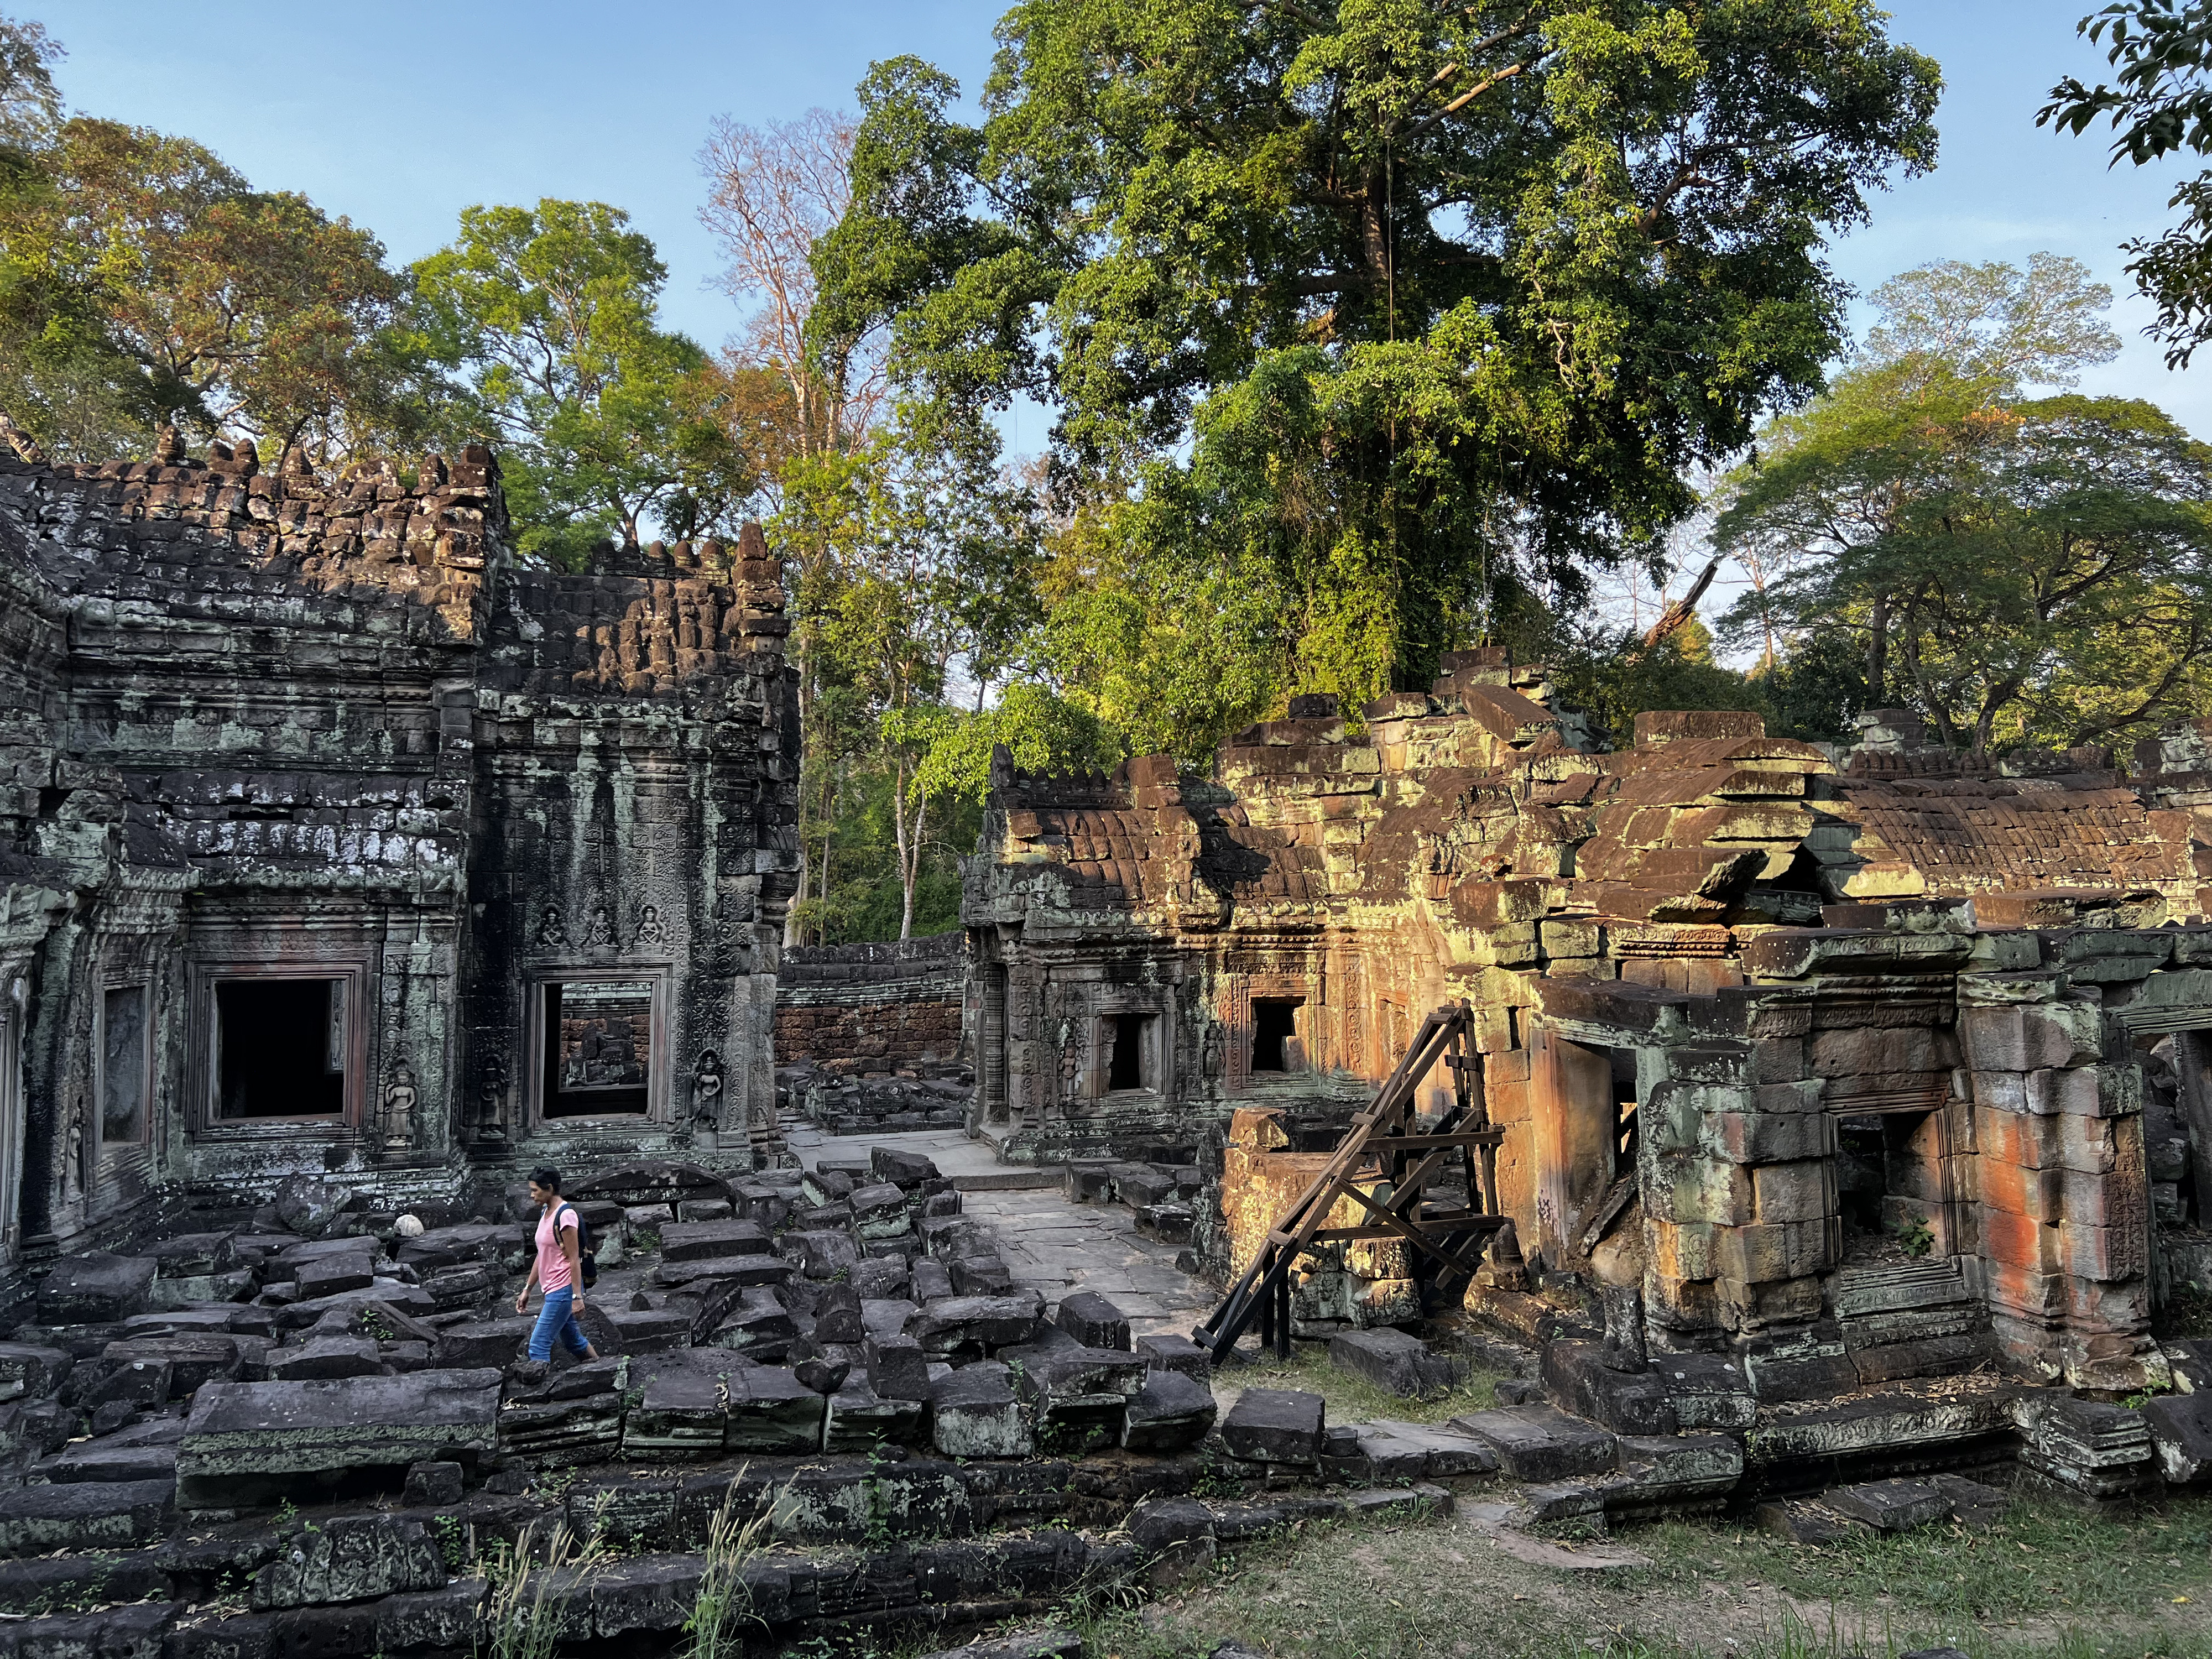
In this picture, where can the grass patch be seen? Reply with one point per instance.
(1352, 1398)
(2044, 1582)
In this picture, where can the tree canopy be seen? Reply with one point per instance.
(1444, 298)
(2161, 106)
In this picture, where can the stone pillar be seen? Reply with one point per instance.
(2063, 1185)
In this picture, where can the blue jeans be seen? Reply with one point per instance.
(554, 1318)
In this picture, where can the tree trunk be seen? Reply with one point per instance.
(1877, 670)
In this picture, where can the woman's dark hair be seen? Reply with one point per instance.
(547, 1178)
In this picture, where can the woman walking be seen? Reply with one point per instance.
(555, 1271)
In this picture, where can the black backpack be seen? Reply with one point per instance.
(587, 1260)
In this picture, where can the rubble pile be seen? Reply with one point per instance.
(918, 1095)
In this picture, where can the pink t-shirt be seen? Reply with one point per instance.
(552, 1262)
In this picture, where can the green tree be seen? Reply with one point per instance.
(1844, 472)
(608, 423)
(2044, 566)
(1442, 296)
(143, 281)
(2161, 106)
(915, 557)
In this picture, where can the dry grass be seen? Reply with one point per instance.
(1352, 1398)
(2044, 1581)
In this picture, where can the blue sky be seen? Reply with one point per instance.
(399, 114)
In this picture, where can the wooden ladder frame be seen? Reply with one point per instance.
(1404, 1159)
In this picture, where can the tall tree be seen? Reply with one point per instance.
(2161, 106)
(918, 557)
(1462, 290)
(775, 190)
(141, 276)
(609, 424)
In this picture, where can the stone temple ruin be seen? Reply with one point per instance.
(1850, 1110)
(1855, 1068)
(336, 843)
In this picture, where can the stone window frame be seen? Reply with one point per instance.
(1939, 1103)
(1157, 1007)
(1303, 992)
(123, 976)
(207, 1121)
(661, 976)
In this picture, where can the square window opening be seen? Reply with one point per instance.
(1274, 1034)
(123, 1070)
(280, 1047)
(1892, 1187)
(598, 1048)
(1130, 1065)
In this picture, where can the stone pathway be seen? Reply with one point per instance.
(1049, 1244)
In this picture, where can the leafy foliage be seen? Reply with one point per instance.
(143, 281)
(2161, 105)
(1442, 299)
(606, 420)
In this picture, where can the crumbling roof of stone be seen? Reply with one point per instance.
(1963, 834)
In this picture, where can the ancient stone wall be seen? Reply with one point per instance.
(854, 1009)
(280, 761)
(1736, 1004)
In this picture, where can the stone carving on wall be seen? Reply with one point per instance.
(598, 928)
(1217, 1045)
(651, 930)
(491, 1099)
(707, 1091)
(71, 1179)
(401, 1098)
(552, 930)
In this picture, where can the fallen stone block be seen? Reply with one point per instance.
(652, 1330)
(136, 1632)
(703, 1240)
(1167, 1223)
(1445, 1453)
(761, 1328)
(981, 1275)
(326, 1357)
(1807, 1521)
(897, 1367)
(349, 1559)
(2181, 1433)
(86, 1515)
(335, 1274)
(881, 1278)
(1392, 1361)
(645, 1592)
(979, 1324)
(29, 1370)
(929, 1281)
(282, 1428)
(1092, 1321)
(1383, 1503)
(859, 1418)
(1168, 1413)
(1168, 1353)
(821, 1254)
(771, 1411)
(837, 1316)
(95, 1289)
(1890, 1505)
(1275, 1426)
(1973, 1505)
(106, 1460)
(481, 1343)
(948, 1238)
(1540, 1444)
(1706, 1391)
(192, 1359)
(903, 1169)
(973, 1414)
(432, 1485)
(449, 1619)
(879, 1211)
